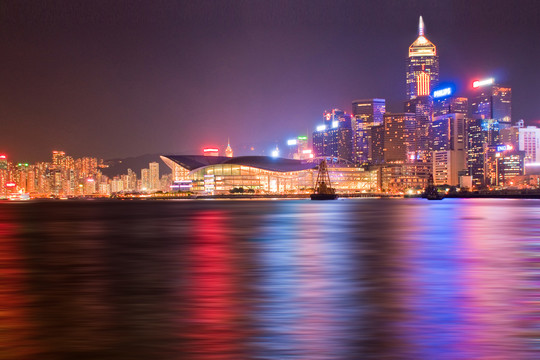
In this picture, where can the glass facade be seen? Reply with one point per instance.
(366, 114)
(222, 178)
(399, 136)
(493, 102)
(422, 68)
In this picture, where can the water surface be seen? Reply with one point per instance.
(291, 279)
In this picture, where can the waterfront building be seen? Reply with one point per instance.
(450, 105)
(365, 115)
(528, 181)
(334, 137)
(502, 163)
(449, 150)
(400, 178)
(482, 134)
(422, 108)
(58, 158)
(377, 144)
(4, 176)
(422, 65)
(264, 175)
(117, 185)
(145, 179)
(492, 101)
(448, 132)
(399, 137)
(529, 142)
(447, 167)
(154, 176)
(510, 164)
(510, 135)
(3, 162)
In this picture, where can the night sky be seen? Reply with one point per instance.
(126, 78)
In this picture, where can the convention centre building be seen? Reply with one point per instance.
(215, 175)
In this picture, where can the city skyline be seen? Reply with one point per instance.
(99, 90)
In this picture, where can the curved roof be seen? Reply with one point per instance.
(194, 162)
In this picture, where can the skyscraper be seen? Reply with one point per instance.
(229, 150)
(449, 150)
(529, 142)
(482, 135)
(366, 114)
(399, 137)
(492, 101)
(450, 105)
(422, 108)
(334, 138)
(145, 179)
(154, 175)
(422, 65)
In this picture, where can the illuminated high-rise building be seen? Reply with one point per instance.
(319, 141)
(422, 108)
(448, 132)
(377, 144)
(3, 162)
(510, 136)
(334, 137)
(331, 117)
(529, 142)
(422, 65)
(450, 105)
(366, 114)
(492, 101)
(449, 150)
(482, 135)
(154, 175)
(399, 137)
(58, 158)
(299, 149)
(145, 179)
(229, 150)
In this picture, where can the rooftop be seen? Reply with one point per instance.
(194, 162)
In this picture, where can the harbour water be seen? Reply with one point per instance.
(289, 279)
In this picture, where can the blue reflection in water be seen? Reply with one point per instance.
(434, 281)
(464, 270)
(304, 309)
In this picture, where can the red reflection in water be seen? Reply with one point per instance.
(16, 331)
(214, 304)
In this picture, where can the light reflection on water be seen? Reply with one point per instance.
(349, 279)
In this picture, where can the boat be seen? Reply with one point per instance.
(431, 192)
(323, 187)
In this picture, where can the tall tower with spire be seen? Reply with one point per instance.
(228, 150)
(422, 65)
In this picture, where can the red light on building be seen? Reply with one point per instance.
(211, 152)
(3, 157)
(11, 184)
(422, 81)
